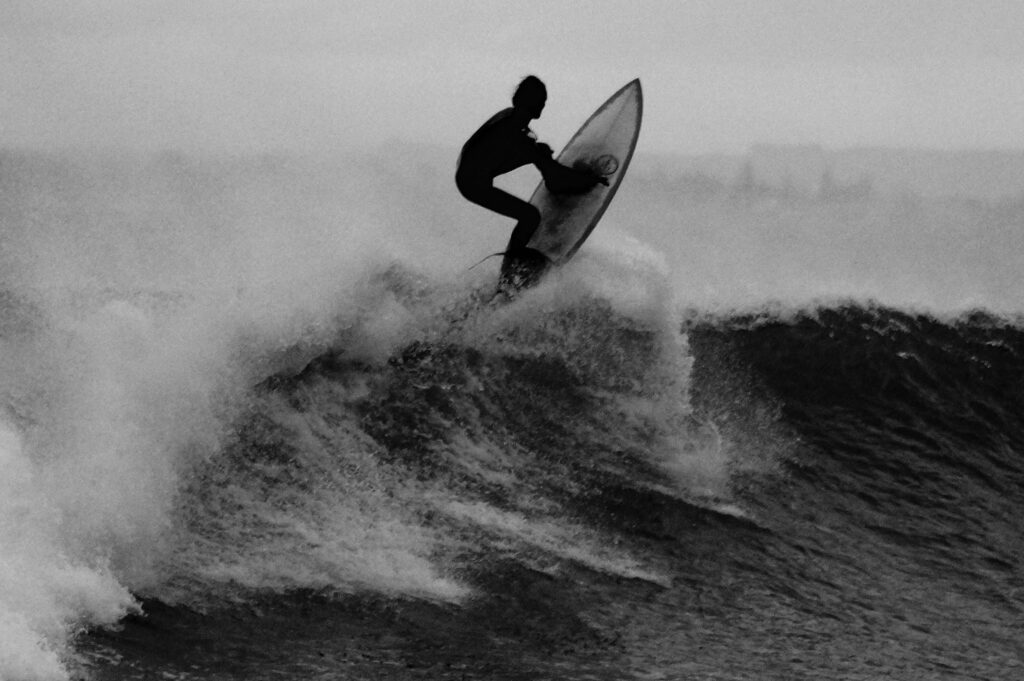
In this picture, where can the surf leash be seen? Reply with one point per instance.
(488, 257)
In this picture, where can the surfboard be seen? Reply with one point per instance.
(605, 144)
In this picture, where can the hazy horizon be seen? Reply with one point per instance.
(780, 170)
(452, 148)
(718, 77)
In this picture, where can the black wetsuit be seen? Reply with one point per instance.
(501, 145)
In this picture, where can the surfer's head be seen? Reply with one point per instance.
(530, 96)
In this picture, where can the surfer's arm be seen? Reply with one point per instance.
(561, 179)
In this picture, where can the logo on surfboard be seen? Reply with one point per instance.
(603, 166)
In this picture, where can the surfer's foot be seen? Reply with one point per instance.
(520, 270)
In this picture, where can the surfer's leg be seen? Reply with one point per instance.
(527, 216)
(521, 266)
(527, 220)
(522, 232)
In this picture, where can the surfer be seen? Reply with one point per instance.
(502, 144)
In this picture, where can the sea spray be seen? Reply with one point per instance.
(45, 593)
(159, 321)
(144, 299)
(614, 319)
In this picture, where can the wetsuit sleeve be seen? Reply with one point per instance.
(538, 152)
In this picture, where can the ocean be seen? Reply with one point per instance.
(260, 422)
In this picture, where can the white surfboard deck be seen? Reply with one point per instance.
(605, 142)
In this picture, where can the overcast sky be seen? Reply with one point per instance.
(718, 75)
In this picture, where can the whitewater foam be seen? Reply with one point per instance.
(44, 592)
(553, 540)
(300, 501)
(140, 304)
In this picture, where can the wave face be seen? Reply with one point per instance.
(260, 455)
(900, 495)
(554, 487)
